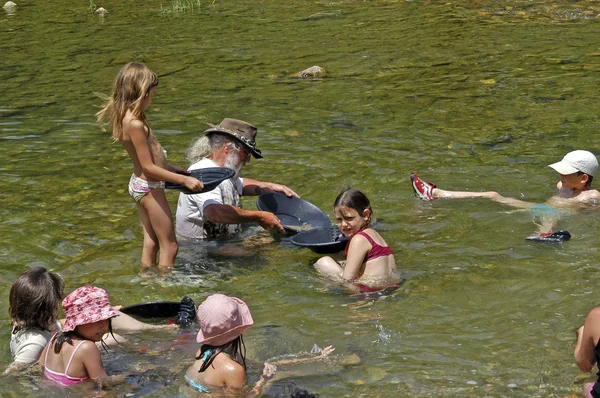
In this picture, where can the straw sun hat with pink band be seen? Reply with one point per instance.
(87, 304)
(222, 319)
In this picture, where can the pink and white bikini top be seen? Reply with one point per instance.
(376, 250)
(63, 378)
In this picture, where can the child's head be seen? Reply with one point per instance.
(88, 312)
(133, 84)
(353, 211)
(223, 319)
(577, 168)
(34, 297)
(133, 88)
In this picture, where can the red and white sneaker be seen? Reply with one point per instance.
(422, 189)
(558, 236)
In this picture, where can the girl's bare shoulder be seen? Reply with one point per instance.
(86, 348)
(375, 236)
(225, 362)
(132, 124)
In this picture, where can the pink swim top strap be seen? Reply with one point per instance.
(72, 355)
(49, 348)
(366, 235)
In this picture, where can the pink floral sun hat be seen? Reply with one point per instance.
(222, 319)
(87, 304)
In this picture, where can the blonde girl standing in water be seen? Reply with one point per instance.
(132, 93)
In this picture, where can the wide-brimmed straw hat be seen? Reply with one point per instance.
(87, 304)
(240, 130)
(575, 161)
(222, 319)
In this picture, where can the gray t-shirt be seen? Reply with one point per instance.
(190, 208)
(26, 345)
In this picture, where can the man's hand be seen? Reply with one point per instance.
(270, 221)
(281, 188)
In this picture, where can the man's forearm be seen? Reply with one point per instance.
(227, 214)
(254, 187)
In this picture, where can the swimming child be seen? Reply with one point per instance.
(369, 260)
(133, 90)
(72, 356)
(221, 360)
(577, 170)
(33, 308)
(587, 349)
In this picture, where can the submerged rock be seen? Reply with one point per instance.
(313, 71)
(101, 11)
(9, 4)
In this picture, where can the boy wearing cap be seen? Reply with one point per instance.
(219, 212)
(577, 170)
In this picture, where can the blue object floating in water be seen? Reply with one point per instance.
(558, 236)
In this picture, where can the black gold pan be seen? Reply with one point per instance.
(211, 177)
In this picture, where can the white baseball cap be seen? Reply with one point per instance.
(575, 161)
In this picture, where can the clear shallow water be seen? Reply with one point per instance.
(472, 95)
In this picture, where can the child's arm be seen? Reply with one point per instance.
(268, 372)
(584, 349)
(293, 361)
(358, 248)
(89, 354)
(16, 367)
(137, 134)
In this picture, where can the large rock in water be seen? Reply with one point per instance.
(9, 4)
(101, 11)
(313, 71)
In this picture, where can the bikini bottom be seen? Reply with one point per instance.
(138, 187)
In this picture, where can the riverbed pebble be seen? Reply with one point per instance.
(313, 71)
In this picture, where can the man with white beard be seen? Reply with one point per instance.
(219, 212)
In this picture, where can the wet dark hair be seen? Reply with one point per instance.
(63, 337)
(236, 349)
(590, 178)
(301, 393)
(291, 390)
(34, 298)
(354, 199)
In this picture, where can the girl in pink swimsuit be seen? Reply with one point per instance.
(370, 264)
(72, 356)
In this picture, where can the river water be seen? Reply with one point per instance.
(473, 95)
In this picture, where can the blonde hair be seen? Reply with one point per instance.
(132, 86)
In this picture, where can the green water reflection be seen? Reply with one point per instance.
(471, 94)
